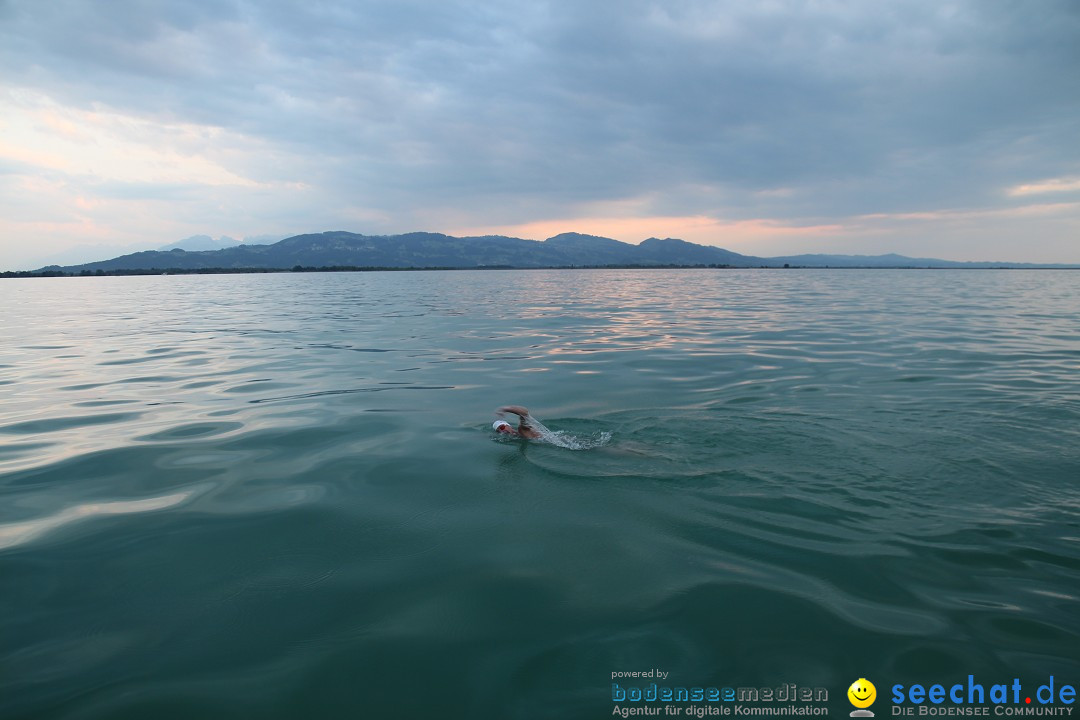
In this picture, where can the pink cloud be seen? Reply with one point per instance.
(696, 228)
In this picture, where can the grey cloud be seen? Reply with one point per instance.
(515, 110)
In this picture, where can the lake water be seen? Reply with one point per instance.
(279, 496)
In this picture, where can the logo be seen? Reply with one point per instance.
(862, 694)
(966, 698)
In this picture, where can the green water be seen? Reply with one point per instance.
(279, 496)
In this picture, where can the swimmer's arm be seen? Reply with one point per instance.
(518, 410)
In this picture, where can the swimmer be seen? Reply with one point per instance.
(524, 429)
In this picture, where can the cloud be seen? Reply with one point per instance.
(700, 229)
(387, 116)
(111, 146)
(1053, 185)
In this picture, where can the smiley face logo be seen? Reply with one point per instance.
(862, 693)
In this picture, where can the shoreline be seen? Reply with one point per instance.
(351, 268)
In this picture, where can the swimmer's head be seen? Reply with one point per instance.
(501, 426)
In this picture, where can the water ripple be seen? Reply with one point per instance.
(214, 505)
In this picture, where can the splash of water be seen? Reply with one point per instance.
(564, 439)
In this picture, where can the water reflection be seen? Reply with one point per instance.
(20, 533)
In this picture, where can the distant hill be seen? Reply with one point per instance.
(201, 242)
(421, 249)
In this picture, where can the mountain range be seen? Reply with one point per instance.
(427, 250)
(205, 242)
(201, 242)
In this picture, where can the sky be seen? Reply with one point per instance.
(927, 128)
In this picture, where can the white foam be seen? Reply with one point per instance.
(564, 439)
